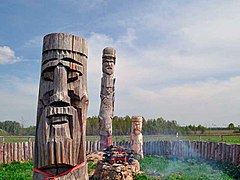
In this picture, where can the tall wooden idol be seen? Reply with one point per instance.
(62, 109)
(107, 97)
(136, 137)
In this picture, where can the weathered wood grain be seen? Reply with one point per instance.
(62, 105)
(107, 97)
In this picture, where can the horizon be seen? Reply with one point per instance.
(181, 125)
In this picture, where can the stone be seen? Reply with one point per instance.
(107, 97)
(136, 137)
(62, 109)
(107, 171)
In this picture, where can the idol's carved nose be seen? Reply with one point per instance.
(60, 93)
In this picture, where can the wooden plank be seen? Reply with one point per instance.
(238, 154)
(19, 146)
(15, 152)
(180, 149)
(148, 149)
(1, 152)
(231, 153)
(95, 145)
(98, 146)
(5, 152)
(177, 149)
(206, 151)
(170, 149)
(158, 147)
(220, 147)
(151, 147)
(201, 150)
(188, 146)
(31, 150)
(26, 151)
(11, 152)
(228, 152)
(192, 149)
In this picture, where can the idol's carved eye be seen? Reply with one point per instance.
(73, 76)
(48, 76)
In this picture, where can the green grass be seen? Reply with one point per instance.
(227, 139)
(161, 168)
(16, 171)
(3, 133)
(15, 139)
(234, 139)
(91, 166)
(153, 167)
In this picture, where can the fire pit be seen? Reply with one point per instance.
(118, 163)
(119, 155)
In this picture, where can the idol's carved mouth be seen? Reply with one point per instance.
(59, 120)
(60, 111)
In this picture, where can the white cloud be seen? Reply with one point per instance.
(196, 103)
(34, 42)
(18, 99)
(216, 25)
(7, 55)
(128, 39)
(189, 72)
(178, 60)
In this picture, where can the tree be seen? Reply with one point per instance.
(231, 126)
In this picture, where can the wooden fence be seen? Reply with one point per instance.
(221, 152)
(20, 151)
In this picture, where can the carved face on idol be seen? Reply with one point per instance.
(61, 73)
(108, 65)
(137, 128)
(108, 60)
(137, 125)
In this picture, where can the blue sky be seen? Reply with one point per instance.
(175, 59)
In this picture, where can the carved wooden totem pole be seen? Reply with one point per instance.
(136, 136)
(107, 97)
(62, 109)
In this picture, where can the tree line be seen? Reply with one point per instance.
(16, 129)
(120, 125)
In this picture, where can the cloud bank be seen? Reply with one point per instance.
(175, 59)
(7, 55)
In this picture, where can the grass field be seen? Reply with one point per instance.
(233, 139)
(152, 168)
(16, 171)
(161, 168)
(12, 139)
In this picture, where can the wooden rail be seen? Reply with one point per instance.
(220, 152)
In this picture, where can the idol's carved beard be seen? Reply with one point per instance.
(59, 136)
